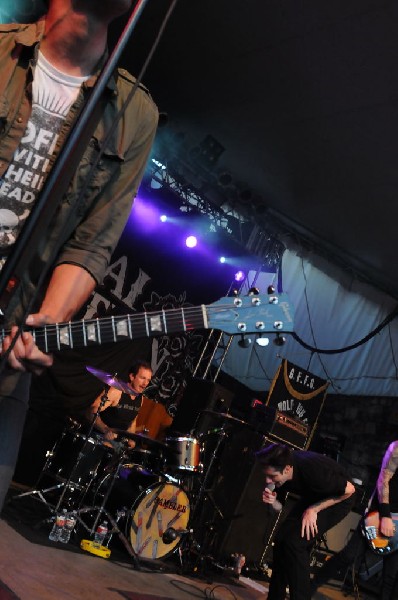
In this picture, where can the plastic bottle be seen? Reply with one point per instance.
(58, 526)
(68, 527)
(101, 533)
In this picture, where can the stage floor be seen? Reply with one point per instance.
(33, 568)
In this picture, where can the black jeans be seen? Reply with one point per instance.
(291, 555)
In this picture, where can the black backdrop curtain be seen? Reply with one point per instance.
(151, 269)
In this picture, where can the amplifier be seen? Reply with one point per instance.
(273, 423)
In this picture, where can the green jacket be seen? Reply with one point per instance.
(94, 227)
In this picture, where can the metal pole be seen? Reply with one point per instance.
(60, 175)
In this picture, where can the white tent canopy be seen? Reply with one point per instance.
(333, 310)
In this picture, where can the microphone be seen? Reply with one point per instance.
(270, 487)
(172, 534)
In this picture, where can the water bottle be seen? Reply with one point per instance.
(68, 527)
(101, 533)
(58, 526)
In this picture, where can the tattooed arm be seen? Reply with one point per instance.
(388, 468)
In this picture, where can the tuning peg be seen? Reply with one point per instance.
(271, 290)
(253, 292)
(244, 342)
(262, 341)
(279, 340)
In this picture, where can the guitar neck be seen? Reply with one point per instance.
(93, 332)
(232, 315)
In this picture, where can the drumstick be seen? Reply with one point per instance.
(145, 544)
(160, 526)
(139, 528)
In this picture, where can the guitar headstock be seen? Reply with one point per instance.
(268, 313)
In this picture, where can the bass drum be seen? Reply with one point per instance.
(159, 507)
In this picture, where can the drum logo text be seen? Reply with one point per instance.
(164, 503)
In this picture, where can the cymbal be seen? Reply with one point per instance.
(112, 381)
(142, 439)
(225, 416)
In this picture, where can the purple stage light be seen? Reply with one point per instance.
(239, 276)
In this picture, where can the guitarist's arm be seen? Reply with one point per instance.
(388, 468)
(68, 289)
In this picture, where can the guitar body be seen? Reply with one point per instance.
(379, 543)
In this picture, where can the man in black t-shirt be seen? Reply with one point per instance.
(326, 497)
(119, 411)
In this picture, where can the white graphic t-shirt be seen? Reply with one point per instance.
(53, 93)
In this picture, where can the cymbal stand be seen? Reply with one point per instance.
(203, 491)
(69, 483)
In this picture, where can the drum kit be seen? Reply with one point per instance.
(150, 493)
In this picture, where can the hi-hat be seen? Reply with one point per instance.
(112, 381)
(141, 438)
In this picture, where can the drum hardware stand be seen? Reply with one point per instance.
(68, 484)
(203, 490)
(197, 516)
(100, 510)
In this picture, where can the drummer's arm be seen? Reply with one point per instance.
(132, 429)
(104, 400)
(113, 397)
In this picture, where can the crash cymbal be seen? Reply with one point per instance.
(225, 416)
(143, 439)
(112, 381)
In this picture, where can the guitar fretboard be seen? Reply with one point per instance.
(118, 328)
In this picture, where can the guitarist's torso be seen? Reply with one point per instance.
(371, 527)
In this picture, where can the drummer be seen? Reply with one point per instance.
(119, 409)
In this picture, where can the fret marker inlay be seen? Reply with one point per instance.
(122, 328)
(156, 323)
(91, 333)
(64, 337)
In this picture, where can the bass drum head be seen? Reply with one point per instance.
(159, 507)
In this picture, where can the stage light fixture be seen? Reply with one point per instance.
(240, 276)
(163, 218)
(191, 241)
(224, 179)
(222, 259)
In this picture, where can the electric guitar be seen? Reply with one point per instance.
(379, 543)
(233, 315)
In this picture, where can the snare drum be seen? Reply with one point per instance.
(186, 455)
